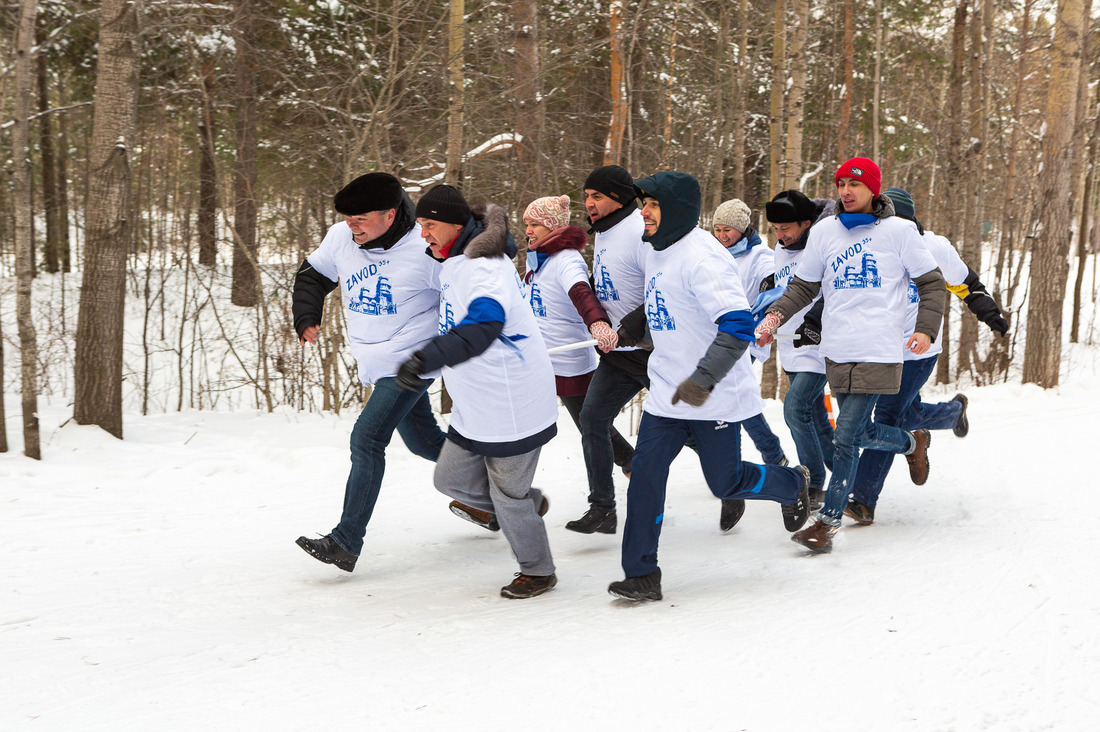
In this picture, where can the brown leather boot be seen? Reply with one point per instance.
(918, 459)
(818, 538)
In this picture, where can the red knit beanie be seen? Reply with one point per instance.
(862, 169)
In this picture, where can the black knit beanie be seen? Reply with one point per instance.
(612, 181)
(790, 207)
(370, 192)
(443, 203)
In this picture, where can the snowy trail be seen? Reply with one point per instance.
(154, 583)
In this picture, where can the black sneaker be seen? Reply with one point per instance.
(328, 551)
(783, 462)
(647, 587)
(861, 514)
(795, 514)
(962, 427)
(528, 585)
(594, 520)
(817, 499)
(732, 511)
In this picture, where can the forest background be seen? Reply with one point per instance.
(194, 147)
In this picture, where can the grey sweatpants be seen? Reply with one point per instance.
(500, 485)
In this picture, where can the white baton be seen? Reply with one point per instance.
(572, 346)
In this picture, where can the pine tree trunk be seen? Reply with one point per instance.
(740, 113)
(46, 144)
(246, 271)
(613, 148)
(843, 131)
(22, 185)
(110, 216)
(208, 172)
(1050, 253)
(953, 177)
(457, 82)
(525, 31)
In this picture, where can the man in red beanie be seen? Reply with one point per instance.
(861, 260)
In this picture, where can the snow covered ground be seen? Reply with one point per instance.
(153, 583)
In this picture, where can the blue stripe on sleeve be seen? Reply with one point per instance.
(737, 323)
(483, 310)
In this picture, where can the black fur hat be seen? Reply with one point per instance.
(790, 207)
(370, 192)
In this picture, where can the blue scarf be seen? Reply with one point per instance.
(852, 220)
(535, 260)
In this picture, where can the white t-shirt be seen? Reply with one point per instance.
(506, 393)
(689, 286)
(954, 271)
(753, 266)
(864, 274)
(558, 319)
(390, 297)
(618, 267)
(807, 358)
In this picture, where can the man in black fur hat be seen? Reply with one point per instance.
(390, 295)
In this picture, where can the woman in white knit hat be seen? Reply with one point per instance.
(733, 228)
(566, 308)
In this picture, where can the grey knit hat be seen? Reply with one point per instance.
(733, 213)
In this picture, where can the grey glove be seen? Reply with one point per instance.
(690, 393)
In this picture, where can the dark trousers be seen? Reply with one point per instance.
(660, 440)
(622, 450)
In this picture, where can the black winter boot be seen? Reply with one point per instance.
(732, 511)
(647, 587)
(594, 520)
(962, 427)
(328, 551)
(795, 514)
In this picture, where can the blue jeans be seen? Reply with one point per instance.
(904, 410)
(767, 444)
(609, 391)
(389, 408)
(660, 440)
(855, 430)
(805, 414)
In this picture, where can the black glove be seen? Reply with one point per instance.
(986, 310)
(807, 334)
(690, 393)
(408, 375)
(632, 327)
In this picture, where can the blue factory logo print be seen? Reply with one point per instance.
(860, 271)
(446, 318)
(914, 296)
(537, 306)
(605, 288)
(656, 312)
(380, 302)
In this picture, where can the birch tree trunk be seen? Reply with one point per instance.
(796, 96)
(24, 233)
(110, 216)
(1050, 253)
